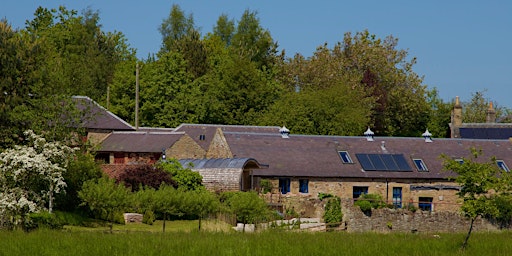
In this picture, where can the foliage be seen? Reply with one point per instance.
(266, 185)
(482, 184)
(475, 110)
(248, 206)
(106, 198)
(30, 177)
(141, 175)
(439, 117)
(184, 177)
(43, 219)
(81, 168)
(332, 213)
(367, 202)
(322, 196)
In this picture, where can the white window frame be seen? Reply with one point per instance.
(347, 156)
(422, 167)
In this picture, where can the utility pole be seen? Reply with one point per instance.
(108, 97)
(137, 97)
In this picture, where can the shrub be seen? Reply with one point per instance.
(332, 213)
(367, 202)
(43, 219)
(266, 185)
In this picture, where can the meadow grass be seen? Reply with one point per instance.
(273, 242)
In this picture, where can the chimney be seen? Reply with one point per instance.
(456, 119)
(491, 114)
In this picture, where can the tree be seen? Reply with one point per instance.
(439, 117)
(201, 203)
(80, 169)
(185, 178)
(475, 110)
(106, 198)
(142, 175)
(175, 27)
(480, 186)
(30, 177)
(247, 206)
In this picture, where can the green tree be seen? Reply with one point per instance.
(475, 110)
(480, 186)
(224, 29)
(168, 96)
(333, 215)
(247, 206)
(185, 178)
(175, 27)
(439, 117)
(201, 203)
(106, 198)
(81, 168)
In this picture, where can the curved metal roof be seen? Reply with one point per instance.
(221, 163)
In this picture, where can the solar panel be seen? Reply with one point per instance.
(383, 162)
(485, 133)
(390, 162)
(377, 162)
(365, 162)
(402, 164)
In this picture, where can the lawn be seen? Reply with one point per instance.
(182, 238)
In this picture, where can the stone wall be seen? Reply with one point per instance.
(185, 148)
(401, 220)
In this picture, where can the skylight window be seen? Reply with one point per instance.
(502, 165)
(460, 160)
(345, 157)
(420, 165)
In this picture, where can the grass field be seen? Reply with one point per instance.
(150, 240)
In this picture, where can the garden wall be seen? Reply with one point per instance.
(401, 220)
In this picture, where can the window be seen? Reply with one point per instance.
(303, 185)
(397, 197)
(358, 191)
(420, 165)
(284, 185)
(345, 157)
(460, 160)
(425, 203)
(502, 165)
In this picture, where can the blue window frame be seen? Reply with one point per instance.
(502, 165)
(425, 203)
(358, 191)
(284, 185)
(420, 165)
(345, 157)
(303, 185)
(397, 197)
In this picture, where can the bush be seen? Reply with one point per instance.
(266, 185)
(43, 220)
(333, 214)
(367, 202)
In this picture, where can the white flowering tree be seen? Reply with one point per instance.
(30, 176)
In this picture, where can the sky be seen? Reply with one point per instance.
(462, 46)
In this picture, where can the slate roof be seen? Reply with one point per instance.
(95, 116)
(139, 142)
(208, 130)
(317, 156)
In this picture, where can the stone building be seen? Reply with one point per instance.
(404, 171)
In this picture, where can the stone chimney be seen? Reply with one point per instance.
(456, 119)
(491, 114)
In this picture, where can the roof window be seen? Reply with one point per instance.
(345, 157)
(502, 165)
(420, 165)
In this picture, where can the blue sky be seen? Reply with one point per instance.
(461, 46)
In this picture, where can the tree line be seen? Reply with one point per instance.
(233, 74)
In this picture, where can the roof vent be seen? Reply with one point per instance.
(427, 135)
(369, 134)
(284, 132)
